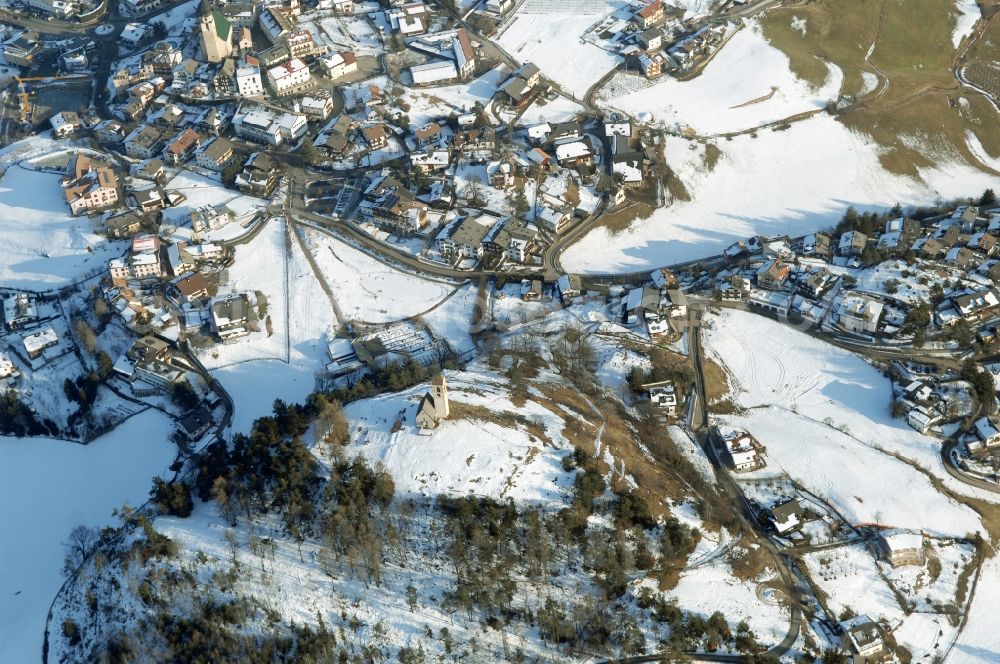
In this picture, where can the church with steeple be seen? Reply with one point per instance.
(216, 34)
(433, 406)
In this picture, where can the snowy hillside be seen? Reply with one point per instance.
(823, 416)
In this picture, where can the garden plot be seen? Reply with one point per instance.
(747, 84)
(909, 284)
(368, 290)
(429, 104)
(850, 578)
(44, 245)
(823, 416)
(508, 310)
(554, 43)
(715, 587)
(931, 586)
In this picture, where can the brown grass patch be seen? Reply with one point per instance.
(711, 157)
(621, 220)
(716, 381)
(473, 412)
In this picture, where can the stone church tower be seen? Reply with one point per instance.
(216, 34)
(439, 390)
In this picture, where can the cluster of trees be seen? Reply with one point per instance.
(172, 497)
(17, 418)
(982, 384)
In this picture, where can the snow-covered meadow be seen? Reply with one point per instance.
(794, 181)
(748, 84)
(553, 42)
(44, 246)
(368, 290)
(823, 416)
(487, 447)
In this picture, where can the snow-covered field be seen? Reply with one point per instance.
(968, 14)
(748, 84)
(552, 41)
(501, 457)
(48, 488)
(44, 246)
(283, 366)
(979, 642)
(368, 290)
(823, 416)
(713, 587)
(795, 181)
(431, 104)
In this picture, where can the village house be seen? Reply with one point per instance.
(123, 226)
(773, 275)
(852, 243)
(259, 175)
(375, 136)
(65, 124)
(430, 161)
(393, 207)
(961, 257)
(19, 310)
(451, 57)
(193, 288)
(569, 287)
(34, 344)
(215, 155)
(901, 548)
(211, 217)
(289, 77)
(928, 248)
(860, 314)
(463, 238)
(474, 140)
(638, 303)
(517, 89)
(650, 15)
(144, 142)
(817, 245)
(556, 221)
(89, 185)
(531, 290)
(231, 317)
(663, 394)
(740, 451)
(434, 406)
(429, 134)
(147, 200)
(264, 125)
(147, 367)
(785, 516)
(983, 242)
(334, 139)
(182, 147)
(248, 79)
(317, 106)
(985, 435)
(574, 154)
(862, 637)
(338, 65)
(109, 132)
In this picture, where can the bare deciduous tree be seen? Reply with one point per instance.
(81, 543)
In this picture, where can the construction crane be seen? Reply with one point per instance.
(24, 99)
